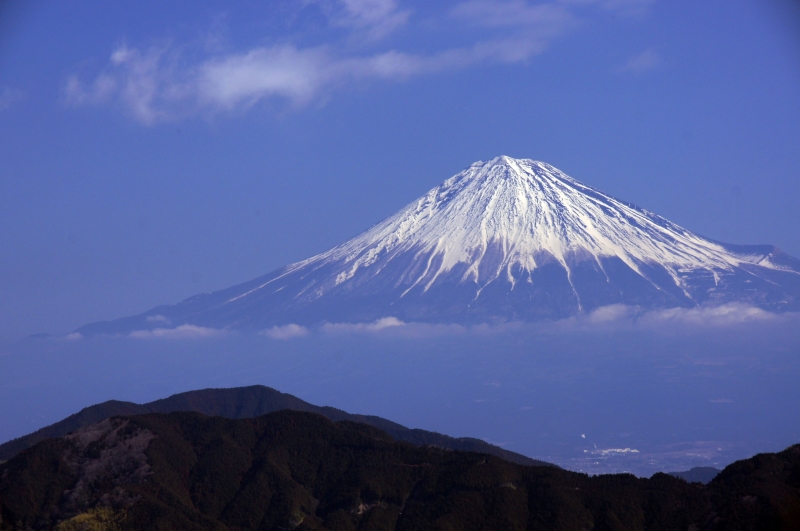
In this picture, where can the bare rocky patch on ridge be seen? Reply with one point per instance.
(107, 453)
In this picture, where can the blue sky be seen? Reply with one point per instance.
(148, 153)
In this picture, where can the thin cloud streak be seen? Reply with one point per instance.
(149, 85)
(607, 319)
(703, 318)
(152, 94)
(377, 17)
(285, 332)
(623, 7)
(160, 84)
(715, 316)
(368, 20)
(186, 331)
(617, 317)
(380, 324)
(516, 13)
(293, 73)
(647, 60)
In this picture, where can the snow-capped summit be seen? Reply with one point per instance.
(508, 239)
(506, 217)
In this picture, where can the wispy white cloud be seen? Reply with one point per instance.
(165, 83)
(714, 316)
(647, 60)
(611, 314)
(158, 319)
(627, 7)
(153, 91)
(521, 29)
(618, 316)
(186, 331)
(613, 318)
(395, 328)
(380, 324)
(9, 96)
(624, 7)
(377, 17)
(548, 17)
(295, 74)
(368, 20)
(149, 84)
(284, 332)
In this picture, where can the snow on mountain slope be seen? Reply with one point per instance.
(507, 239)
(533, 212)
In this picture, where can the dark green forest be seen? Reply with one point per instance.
(300, 470)
(247, 402)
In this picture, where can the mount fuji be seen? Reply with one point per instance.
(504, 240)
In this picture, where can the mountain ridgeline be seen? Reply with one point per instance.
(249, 402)
(299, 470)
(504, 240)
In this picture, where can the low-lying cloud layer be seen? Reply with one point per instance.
(285, 332)
(186, 331)
(380, 324)
(703, 316)
(608, 318)
(166, 82)
(612, 318)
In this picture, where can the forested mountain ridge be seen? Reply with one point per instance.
(298, 470)
(251, 401)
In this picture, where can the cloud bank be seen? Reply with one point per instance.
(163, 83)
(289, 331)
(380, 324)
(614, 318)
(605, 319)
(186, 331)
(621, 317)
